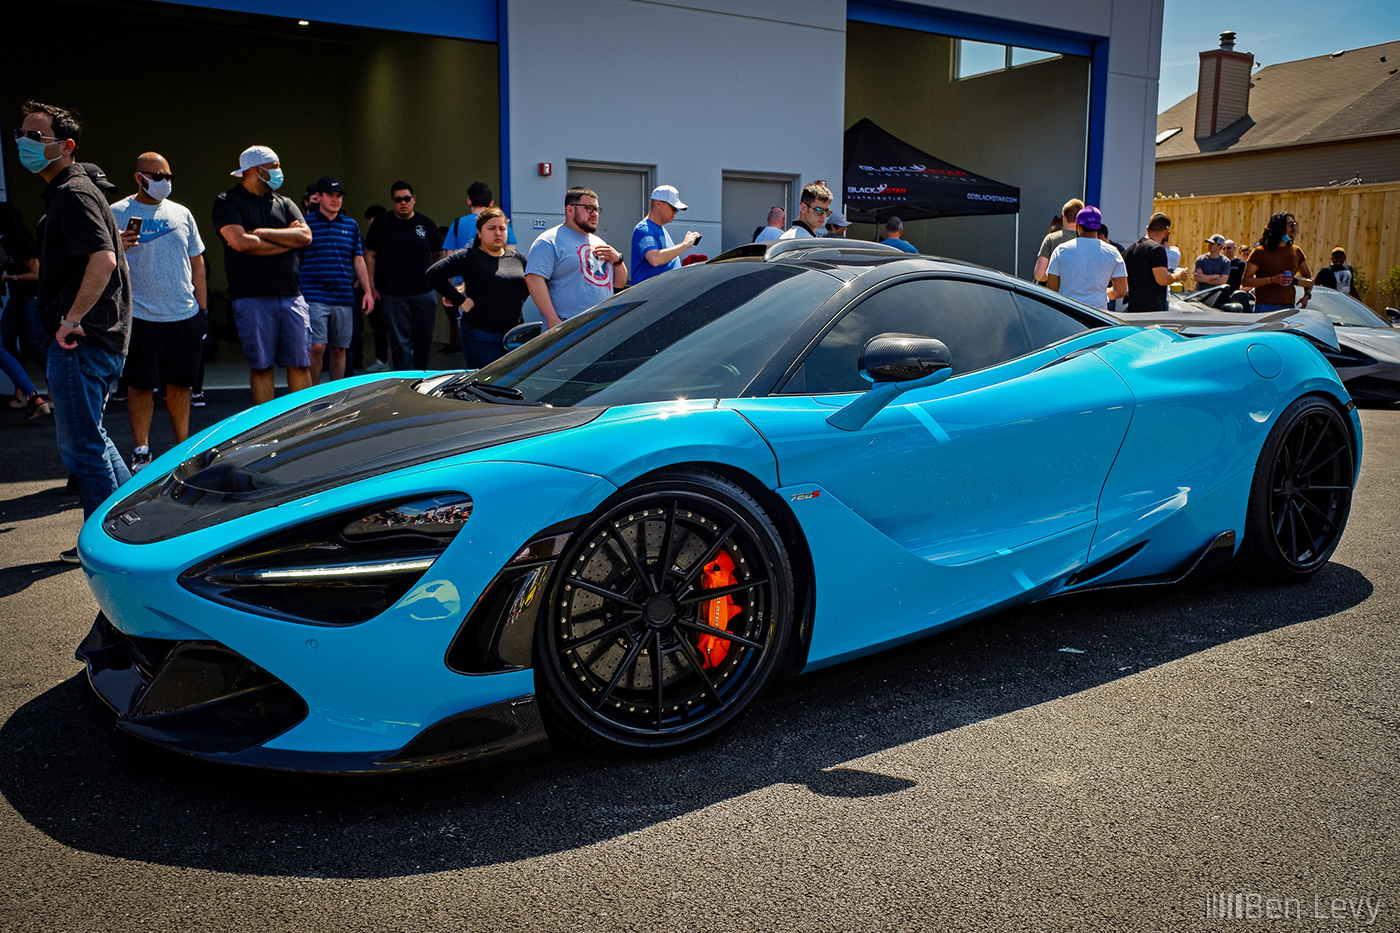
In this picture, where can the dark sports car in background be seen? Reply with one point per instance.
(1367, 356)
(619, 533)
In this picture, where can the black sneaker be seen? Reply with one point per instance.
(197, 400)
(69, 556)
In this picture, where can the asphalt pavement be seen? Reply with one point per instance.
(1134, 761)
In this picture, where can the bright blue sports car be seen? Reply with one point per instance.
(617, 534)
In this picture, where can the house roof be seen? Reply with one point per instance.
(1311, 100)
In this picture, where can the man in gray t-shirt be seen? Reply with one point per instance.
(571, 269)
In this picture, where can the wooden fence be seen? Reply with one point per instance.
(1363, 219)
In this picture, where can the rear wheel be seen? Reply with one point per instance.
(669, 613)
(1301, 495)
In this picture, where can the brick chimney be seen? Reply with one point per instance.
(1222, 92)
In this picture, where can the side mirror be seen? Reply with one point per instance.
(1393, 314)
(895, 363)
(901, 357)
(521, 334)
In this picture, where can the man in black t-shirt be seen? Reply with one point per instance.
(262, 231)
(84, 302)
(1148, 270)
(1339, 275)
(399, 248)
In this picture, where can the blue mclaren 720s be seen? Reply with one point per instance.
(617, 534)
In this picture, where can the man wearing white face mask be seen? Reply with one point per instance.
(169, 301)
(262, 231)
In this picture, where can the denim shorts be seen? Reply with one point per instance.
(274, 331)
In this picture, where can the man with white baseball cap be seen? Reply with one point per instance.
(653, 251)
(262, 231)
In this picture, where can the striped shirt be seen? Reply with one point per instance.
(328, 264)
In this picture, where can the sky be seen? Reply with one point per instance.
(1275, 32)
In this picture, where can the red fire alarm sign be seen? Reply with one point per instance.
(546, 168)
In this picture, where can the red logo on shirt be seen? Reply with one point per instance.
(594, 269)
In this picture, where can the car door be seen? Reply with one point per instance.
(985, 486)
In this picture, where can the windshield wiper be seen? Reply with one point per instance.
(486, 390)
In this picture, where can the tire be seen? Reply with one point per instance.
(621, 646)
(1301, 494)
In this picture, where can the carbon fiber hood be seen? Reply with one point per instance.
(360, 432)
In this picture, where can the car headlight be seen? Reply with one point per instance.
(340, 570)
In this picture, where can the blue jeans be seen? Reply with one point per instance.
(78, 381)
(410, 319)
(13, 321)
(480, 347)
(1266, 309)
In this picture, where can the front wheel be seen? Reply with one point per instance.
(668, 614)
(1301, 494)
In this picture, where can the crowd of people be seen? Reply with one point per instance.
(118, 294)
(1258, 278)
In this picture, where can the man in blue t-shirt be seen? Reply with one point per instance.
(894, 236)
(653, 252)
(330, 267)
(462, 231)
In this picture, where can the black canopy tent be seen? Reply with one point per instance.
(886, 177)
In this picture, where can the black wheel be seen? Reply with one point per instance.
(1301, 495)
(668, 614)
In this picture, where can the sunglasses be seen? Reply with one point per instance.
(35, 135)
(160, 176)
(821, 211)
(591, 208)
(399, 200)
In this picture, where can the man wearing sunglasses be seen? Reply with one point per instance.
(262, 230)
(811, 213)
(169, 302)
(399, 248)
(84, 301)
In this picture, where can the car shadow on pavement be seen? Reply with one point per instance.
(71, 775)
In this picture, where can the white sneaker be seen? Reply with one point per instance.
(378, 366)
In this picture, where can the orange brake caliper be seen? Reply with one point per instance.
(718, 573)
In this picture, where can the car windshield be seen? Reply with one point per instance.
(1343, 310)
(704, 331)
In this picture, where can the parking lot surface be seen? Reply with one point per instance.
(1152, 759)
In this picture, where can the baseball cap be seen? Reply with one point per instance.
(328, 184)
(1216, 238)
(254, 155)
(838, 220)
(1339, 250)
(669, 194)
(1089, 218)
(99, 177)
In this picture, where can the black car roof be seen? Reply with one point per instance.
(846, 258)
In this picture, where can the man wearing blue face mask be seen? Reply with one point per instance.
(84, 301)
(169, 303)
(262, 231)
